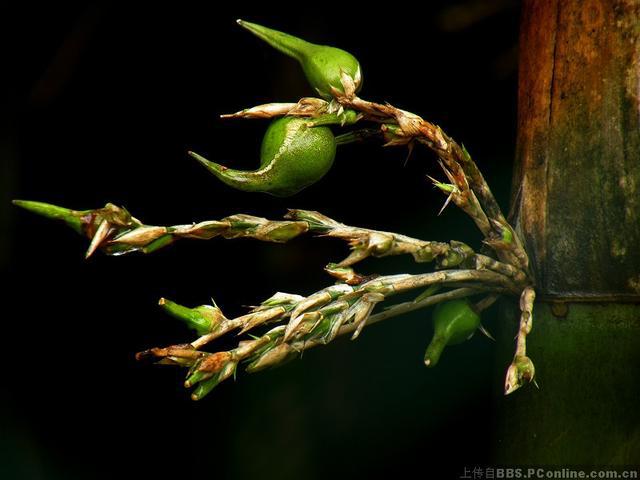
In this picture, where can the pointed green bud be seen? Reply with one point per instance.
(202, 319)
(205, 386)
(101, 225)
(209, 372)
(503, 236)
(454, 322)
(520, 372)
(447, 188)
(196, 377)
(293, 157)
(72, 218)
(322, 65)
(507, 236)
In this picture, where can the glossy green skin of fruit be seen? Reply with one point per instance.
(292, 157)
(322, 65)
(454, 322)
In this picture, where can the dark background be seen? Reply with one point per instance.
(101, 104)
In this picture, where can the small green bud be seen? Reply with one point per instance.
(202, 319)
(293, 156)
(204, 387)
(209, 372)
(507, 236)
(322, 65)
(446, 188)
(454, 322)
(101, 225)
(502, 238)
(520, 372)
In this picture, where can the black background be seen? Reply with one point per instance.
(102, 103)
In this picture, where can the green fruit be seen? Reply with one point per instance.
(454, 322)
(293, 156)
(322, 65)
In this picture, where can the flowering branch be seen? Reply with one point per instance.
(113, 230)
(299, 151)
(314, 320)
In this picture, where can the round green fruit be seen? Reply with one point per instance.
(293, 156)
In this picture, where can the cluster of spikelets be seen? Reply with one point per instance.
(297, 150)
